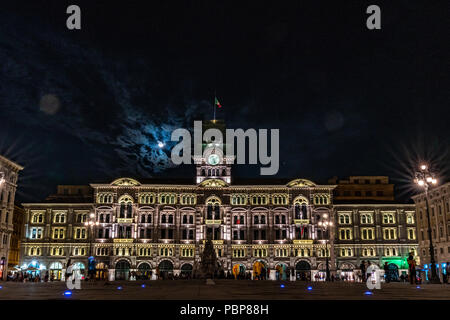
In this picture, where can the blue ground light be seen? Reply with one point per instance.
(143, 286)
(282, 286)
(67, 293)
(119, 288)
(309, 288)
(368, 293)
(1, 287)
(418, 287)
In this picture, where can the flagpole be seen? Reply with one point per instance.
(214, 105)
(214, 110)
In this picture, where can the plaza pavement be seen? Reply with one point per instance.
(222, 290)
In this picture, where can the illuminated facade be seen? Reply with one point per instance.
(378, 233)
(9, 172)
(439, 210)
(136, 228)
(139, 227)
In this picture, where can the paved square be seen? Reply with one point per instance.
(222, 290)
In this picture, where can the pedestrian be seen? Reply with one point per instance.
(362, 266)
(387, 277)
(447, 270)
(412, 269)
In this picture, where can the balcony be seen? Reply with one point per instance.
(214, 241)
(208, 221)
(118, 240)
(303, 241)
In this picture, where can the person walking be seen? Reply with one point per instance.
(447, 270)
(362, 266)
(412, 268)
(387, 276)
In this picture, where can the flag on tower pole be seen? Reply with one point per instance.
(217, 103)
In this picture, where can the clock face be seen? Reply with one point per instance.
(213, 159)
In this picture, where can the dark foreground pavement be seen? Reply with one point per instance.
(222, 290)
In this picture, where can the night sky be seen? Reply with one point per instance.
(90, 105)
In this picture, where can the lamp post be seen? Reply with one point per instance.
(425, 179)
(91, 223)
(324, 224)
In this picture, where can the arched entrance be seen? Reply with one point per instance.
(165, 269)
(122, 270)
(239, 271)
(144, 271)
(281, 271)
(303, 271)
(101, 271)
(392, 272)
(347, 273)
(55, 271)
(186, 271)
(33, 269)
(260, 270)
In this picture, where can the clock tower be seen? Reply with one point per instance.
(213, 163)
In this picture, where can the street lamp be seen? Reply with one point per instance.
(325, 224)
(425, 179)
(90, 224)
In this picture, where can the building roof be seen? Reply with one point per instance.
(11, 163)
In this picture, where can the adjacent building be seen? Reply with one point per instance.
(16, 236)
(363, 188)
(9, 172)
(372, 226)
(439, 211)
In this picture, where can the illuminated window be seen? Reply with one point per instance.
(368, 252)
(389, 233)
(35, 251)
(411, 233)
(260, 252)
(37, 217)
(166, 251)
(390, 252)
(168, 198)
(280, 199)
(57, 251)
(344, 218)
(388, 218)
(187, 252)
(36, 233)
(104, 197)
(345, 234)
(323, 253)
(81, 217)
(238, 199)
(147, 198)
(58, 233)
(80, 233)
(259, 199)
(239, 253)
(282, 252)
(102, 251)
(366, 218)
(188, 199)
(410, 218)
(145, 252)
(346, 252)
(321, 198)
(367, 233)
(79, 251)
(59, 218)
